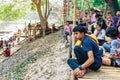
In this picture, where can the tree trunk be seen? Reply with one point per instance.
(43, 18)
(114, 6)
(74, 20)
(73, 39)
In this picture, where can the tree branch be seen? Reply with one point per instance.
(46, 8)
(34, 1)
(38, 6)
(49, 12)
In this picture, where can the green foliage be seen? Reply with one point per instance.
(119, 3)
(10, 12)
(79, 2)
(32, 7)
(99, 3)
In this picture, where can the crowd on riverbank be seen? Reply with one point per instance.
(91, 42)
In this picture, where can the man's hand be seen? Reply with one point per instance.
(79, 73)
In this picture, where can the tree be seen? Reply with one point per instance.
(11, 11)
(114, 5)
(119, 2)
(43, 15)
(99, 3)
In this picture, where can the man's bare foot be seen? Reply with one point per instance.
(81, 73)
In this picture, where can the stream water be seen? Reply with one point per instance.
(7, 29)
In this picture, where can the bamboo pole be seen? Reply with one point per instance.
(74, 22)
(73, 40)
(67, 13)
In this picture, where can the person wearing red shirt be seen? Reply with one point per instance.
(7, 52)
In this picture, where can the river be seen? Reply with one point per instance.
(8, 28)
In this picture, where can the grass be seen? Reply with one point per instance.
(16, 73)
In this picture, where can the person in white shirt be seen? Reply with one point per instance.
(100, 34)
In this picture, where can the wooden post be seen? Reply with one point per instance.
(67, 12)
(73, 40)
(74, 22)
(26, 31)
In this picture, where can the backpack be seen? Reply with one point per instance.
(92, 36)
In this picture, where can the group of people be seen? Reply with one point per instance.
(92, 49)
(9, 42)
(31, 30)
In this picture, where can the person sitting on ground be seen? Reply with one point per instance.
(109, 19)
(100, 34)
(7, 52)
(54, 28)
(113, 58)
(101, 21)
(111, 32)
(88, 55)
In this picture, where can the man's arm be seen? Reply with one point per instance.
(80, 73)
(89, 61)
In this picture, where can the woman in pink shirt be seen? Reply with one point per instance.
(67, 30)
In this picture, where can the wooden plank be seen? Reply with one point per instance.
(105, 73)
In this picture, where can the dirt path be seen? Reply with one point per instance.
(49, 67)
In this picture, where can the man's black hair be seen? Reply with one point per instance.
(80, 29)
(112, 32)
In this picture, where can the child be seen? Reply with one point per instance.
(111, 32)
(88, 55)
(112, 59)
(100, 34)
